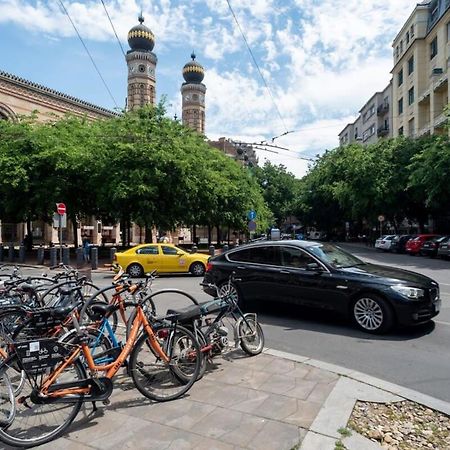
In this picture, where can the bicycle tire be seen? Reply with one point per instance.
(13, 433)
(256, 334)
(184, 352)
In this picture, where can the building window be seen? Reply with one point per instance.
(433, 48)
(448, 32)
(372, 110)
(411, 96)
(400, 131)
(396, 51)
(401, 46)
(400, 106)
(411, 127)
(411, 65)
(412, 31)
(407, 37)
(400, 78)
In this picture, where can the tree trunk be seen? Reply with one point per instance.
(75, 231)
(209, 234)
(148, 233)
(218, 234)
(194, 234)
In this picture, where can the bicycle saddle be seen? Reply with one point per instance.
(184, 314)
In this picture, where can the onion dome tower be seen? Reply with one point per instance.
(141, 63)
(193, 96)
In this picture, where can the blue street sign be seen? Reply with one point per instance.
(251, 215)
(251, 226)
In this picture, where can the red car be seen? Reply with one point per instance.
(413, 246)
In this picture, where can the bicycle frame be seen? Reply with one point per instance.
(111, 369)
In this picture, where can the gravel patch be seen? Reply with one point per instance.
(401, 426)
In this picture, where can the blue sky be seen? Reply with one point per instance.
(323, 59)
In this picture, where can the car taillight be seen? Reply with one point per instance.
(209, 267)
(115, 257)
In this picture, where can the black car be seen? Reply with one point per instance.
(430, 248)
(325, 276)
(444, 248)
(399, 242)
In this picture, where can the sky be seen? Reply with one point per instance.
(320, 60)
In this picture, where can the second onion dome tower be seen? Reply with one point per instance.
(193, 96)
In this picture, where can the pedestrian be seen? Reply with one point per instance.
(86, 248)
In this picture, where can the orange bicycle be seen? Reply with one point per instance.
(164, 362)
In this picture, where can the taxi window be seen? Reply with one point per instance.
(169, 250)
(153, 250)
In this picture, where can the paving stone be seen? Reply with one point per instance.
(218, 394)
(305, 414)
(255, 380)
(182, 413)
(321, 392)
(279, 366)
(313, 441)
(236, 428)
(299, 370)
(259, 362)
(271, 406)
(278, 384)
(302, 389)
(276, 435)
(316, 374)
(231, 375)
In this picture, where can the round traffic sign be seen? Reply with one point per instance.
(251, 215)
(381, 218)
(61, 208)
(251, 226)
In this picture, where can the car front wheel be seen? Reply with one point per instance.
(135, 270)
(197, 269)
(372, 314)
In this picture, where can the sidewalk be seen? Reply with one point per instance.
(272, 401)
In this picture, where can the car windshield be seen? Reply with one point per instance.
(335, 256)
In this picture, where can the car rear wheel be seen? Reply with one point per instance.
(231, 290)
(135, 270)
(197, 269)
(372, 314)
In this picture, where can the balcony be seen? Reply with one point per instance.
(382, 109)
(425, 96)
(440, 120)
(382, 131)
(424, 130)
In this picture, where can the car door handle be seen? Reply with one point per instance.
(241, 267)
(286, 272)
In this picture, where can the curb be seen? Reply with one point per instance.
(406, 393)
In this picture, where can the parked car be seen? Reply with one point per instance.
(399, 242)
(413, 246)
(323, 275)
(430, 248)
(165, 258)
(384, 242)
(444, 248)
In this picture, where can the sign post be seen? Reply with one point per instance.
(381, 219)
(61, 210)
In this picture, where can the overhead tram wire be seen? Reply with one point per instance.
(256, 64)
(90, 56)
(112, 26)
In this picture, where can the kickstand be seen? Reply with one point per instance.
(94, 407)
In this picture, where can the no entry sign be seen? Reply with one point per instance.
(61, 208)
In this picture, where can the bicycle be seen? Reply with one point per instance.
(57, 383)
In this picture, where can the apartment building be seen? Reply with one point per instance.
(419, 76)
(373, 121)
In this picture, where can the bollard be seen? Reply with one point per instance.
(22, 254)
(112, 253)
(11, 252)
(194, 249)
(225, 248)
(212, 250)
(40, 255)
(94, 257)
(53, 256)
(80, 256)
(1, 252)
(66, 256)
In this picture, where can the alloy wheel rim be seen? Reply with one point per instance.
(227, 290)
(135, 271)
(368, 313)
(197, 269)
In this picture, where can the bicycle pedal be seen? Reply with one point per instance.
(106, 402)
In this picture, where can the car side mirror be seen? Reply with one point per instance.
(314, 267)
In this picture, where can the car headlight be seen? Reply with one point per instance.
(409, 292)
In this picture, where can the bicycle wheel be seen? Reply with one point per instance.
(251, 335)
(35, 423)
(159, 380)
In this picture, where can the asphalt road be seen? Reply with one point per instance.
(418, 358)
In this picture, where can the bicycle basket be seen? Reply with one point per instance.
(39, 354)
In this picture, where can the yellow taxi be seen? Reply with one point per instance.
(165, 258)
